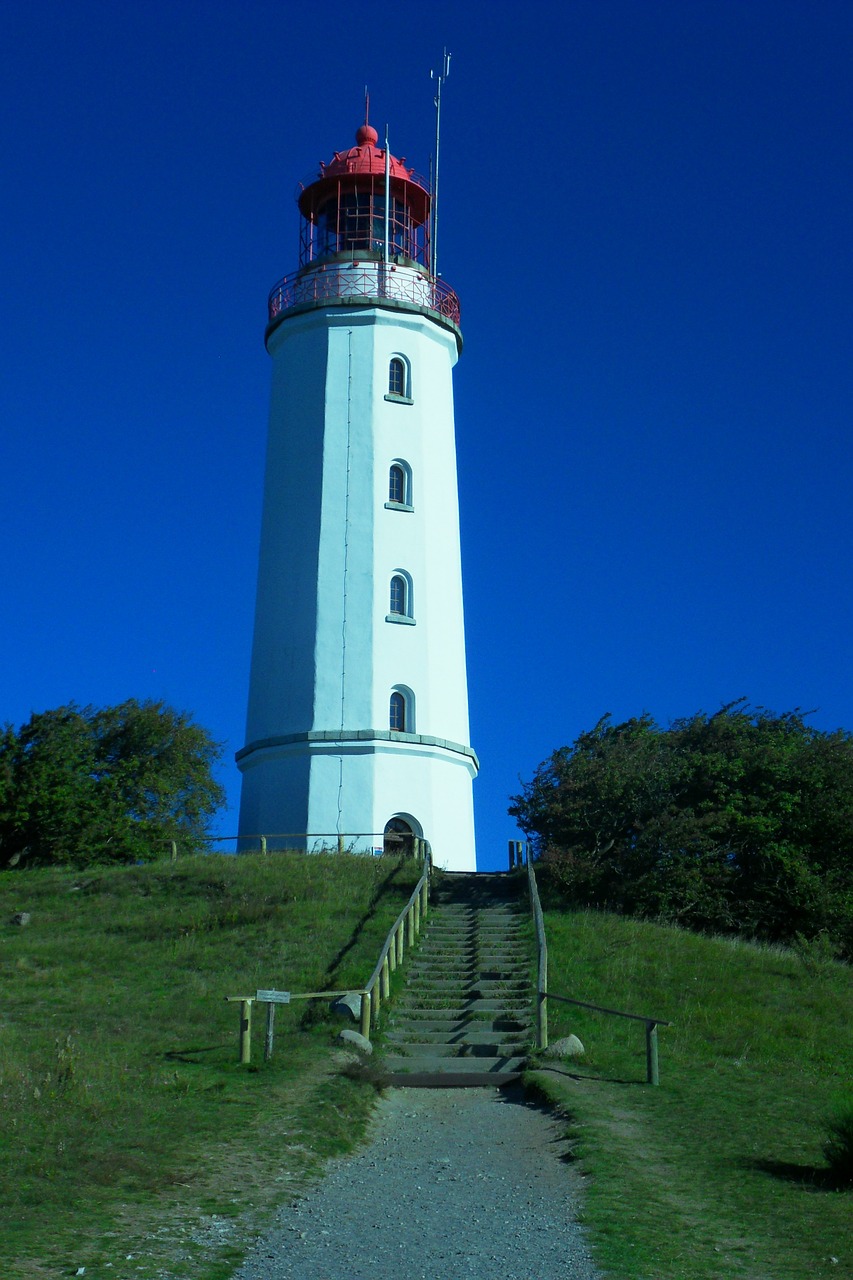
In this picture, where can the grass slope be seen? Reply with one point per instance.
(131, 1140)
(718, 1173)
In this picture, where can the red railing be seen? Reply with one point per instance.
(374, 280)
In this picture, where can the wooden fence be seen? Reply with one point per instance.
(402, 934)
(543, 995)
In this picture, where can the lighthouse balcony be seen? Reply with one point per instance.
(363, 278)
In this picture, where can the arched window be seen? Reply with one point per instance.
(397, 377)
(399, 599)
(397, 712)
(401, 710)
(398, 487)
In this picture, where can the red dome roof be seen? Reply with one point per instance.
(364, 157)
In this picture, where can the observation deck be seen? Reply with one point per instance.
(365, 278)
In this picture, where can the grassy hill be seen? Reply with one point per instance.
(718, 1173)
(133, 1143)
(127, 1127)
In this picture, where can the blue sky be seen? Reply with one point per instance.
(646, 212)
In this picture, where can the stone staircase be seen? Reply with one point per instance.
(464, 1017)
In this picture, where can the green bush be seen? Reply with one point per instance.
(738, 822)
(838, 1147)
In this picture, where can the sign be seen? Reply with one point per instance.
(273, 997)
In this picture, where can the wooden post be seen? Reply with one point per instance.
(364, 1026)
(246, 1030)
(417, 848)
(542, 1021)
(270, 1035)
(425, 903)
(386, 978)
(410, 927)
(392, 954)
(416, 913)
(263, 844)
(399, 941)
(340, 844)
(511, 844)
(652, 1073)
(173, 851)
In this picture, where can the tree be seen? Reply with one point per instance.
(81, 785)
(740, 821)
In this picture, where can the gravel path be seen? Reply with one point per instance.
(454, 1183)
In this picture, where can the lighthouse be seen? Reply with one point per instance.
(357, 728)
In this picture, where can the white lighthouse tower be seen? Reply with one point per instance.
(357, 727)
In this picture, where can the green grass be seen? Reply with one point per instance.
(127, 1125)
(719, 1173)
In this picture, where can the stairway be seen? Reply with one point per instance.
(464, 1018)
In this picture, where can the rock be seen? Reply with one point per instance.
(356, 1038)
(567, 1047)
(21, 917)
(348, 1006)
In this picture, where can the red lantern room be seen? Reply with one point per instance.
(344, 210)
(364, 236)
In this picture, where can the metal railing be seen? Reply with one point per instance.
(373, 280)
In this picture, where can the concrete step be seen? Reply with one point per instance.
(423, 1028)
(453, 1079)
(464, 1043)
(435, 1065)
(516, 987)
(467, 924)
(463, 1009)
(451, 910)
(462, 929)
(432, 968)
(459, 1049)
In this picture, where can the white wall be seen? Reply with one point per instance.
(325, 659)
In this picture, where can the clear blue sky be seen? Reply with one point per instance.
(646, 212)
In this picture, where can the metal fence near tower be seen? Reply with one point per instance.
(363, 280)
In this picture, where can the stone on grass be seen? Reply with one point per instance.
(566, 1047)
(356, 1039)
(21, 917)
(348, 1006)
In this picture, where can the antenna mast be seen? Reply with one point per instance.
(439, 78)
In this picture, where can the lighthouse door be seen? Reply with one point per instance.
(399, 837)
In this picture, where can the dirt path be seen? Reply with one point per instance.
(453, 1184)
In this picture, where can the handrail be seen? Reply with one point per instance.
(652, 1024)
(370, 280)
(617, 1013)
(403, 932)
(542, 959)
(543, 995)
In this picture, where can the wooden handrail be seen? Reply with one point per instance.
(543, 995)
(404, 931)
(652, 1024)
(542, 959)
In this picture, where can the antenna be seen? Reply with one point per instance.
(387, 199)
(439, 78)
(366, 105)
